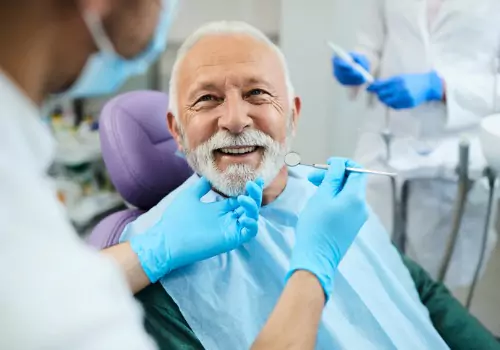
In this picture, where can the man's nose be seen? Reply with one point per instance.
(235, 116)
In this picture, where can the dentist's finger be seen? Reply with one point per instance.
(250, 207)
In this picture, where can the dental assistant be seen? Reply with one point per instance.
(436, 68)
(58, 294)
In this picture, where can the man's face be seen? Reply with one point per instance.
(235, 120)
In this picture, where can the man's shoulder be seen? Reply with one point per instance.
(151, 217)
(170, 197)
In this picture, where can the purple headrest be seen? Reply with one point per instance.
(138, 149)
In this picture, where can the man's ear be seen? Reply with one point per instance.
(174, 128)
(297, 105)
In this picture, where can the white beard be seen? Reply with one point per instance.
(232, 181)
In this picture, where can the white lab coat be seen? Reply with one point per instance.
(55, 293)
(461, 44)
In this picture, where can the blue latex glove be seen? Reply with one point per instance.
(408, 90)
(330, 221)
(190, 230)
(345, 74)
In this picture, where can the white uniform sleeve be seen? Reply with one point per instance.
(469, 96)
(371, 33)
(56, 293)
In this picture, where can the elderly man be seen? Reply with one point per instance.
(233, 114)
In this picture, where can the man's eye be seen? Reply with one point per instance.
(206, 98)
(256, 92)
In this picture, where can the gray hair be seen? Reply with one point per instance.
(222, 28)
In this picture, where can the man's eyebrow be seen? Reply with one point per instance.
(202, 86)
(256, 81)
(210, 86)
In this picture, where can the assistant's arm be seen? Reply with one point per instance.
(370, 39)
(294, 322)
(371, 33)
(468, 95)
(129, 262)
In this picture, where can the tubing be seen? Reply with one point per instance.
(491, 183)
(463, 188)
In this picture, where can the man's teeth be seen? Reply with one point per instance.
(240, 150)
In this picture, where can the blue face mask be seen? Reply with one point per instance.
(106, 71)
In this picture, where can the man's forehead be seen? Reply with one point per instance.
(213, 81)
(228, 48)
(252, 60)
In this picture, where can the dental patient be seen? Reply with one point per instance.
(233, 114)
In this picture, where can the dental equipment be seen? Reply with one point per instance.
(401, 218)
(398, 235)
(490, 141)
(464, 184)
(387, 135)
(337, 50)
(292, 159)
(489, 137)
(492, 177)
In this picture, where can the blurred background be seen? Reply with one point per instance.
(329, 117)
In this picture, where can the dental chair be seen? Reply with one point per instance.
(139, 154)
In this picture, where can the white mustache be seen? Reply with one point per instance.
(233, 179)
(251, 137)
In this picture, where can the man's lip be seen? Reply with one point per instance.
(237, 147)
(257, 147)
(221, 152)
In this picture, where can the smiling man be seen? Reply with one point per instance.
(233, 113)
(233, 122)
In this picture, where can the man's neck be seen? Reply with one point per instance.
(276, 187)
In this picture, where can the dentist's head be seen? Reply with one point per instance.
(80, 48)
(233, 111)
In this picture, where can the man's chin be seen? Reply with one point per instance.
(231, 185)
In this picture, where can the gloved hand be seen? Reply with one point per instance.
(330, 221)
(190, 230)
(345, 74)
(408, 90)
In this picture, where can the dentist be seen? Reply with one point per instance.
(58, 294)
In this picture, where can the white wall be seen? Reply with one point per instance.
(264, 14)
(329, 121)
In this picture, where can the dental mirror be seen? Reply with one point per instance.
(292, 159)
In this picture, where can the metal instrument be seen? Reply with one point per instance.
(293, 159)
(341, 53)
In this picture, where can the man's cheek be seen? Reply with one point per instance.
(198, 136)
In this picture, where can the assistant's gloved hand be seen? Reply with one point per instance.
(345, 74)
(330, 221)
(408, 90)
(191, 231)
